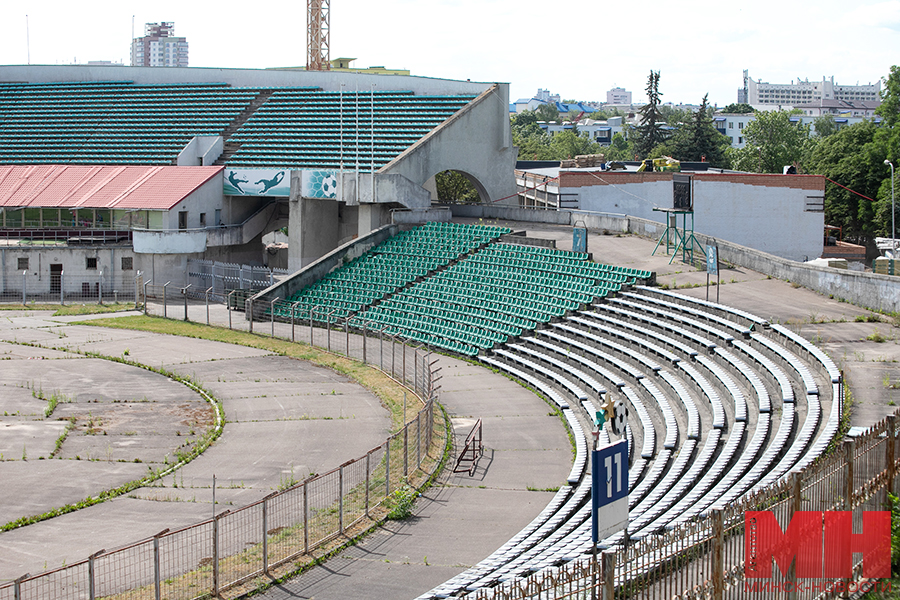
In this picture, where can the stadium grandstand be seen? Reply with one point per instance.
(332, 153)
(721, 403)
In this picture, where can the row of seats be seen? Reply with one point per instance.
(704, 359)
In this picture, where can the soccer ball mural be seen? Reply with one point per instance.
(319, 184)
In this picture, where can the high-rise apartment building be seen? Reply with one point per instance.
(757, 92)
(159, 47)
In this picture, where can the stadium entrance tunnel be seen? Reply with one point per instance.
(457, 187)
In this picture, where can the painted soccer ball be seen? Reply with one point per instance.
(329, 185)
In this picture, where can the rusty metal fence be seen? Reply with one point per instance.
(234, 548)
(705, 558)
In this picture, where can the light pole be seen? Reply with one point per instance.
(893, 212)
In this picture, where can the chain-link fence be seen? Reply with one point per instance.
(227, 552)
(61, 288)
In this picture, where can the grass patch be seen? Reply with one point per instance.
(62, 310)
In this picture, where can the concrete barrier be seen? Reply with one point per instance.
(322, 267)
(870, 290)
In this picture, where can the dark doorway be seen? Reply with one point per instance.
(55, 278)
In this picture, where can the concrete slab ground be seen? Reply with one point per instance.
(125, 414)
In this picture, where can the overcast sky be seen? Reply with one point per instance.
(578, 50)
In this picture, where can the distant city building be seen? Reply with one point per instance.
(159, 47)
(756, 93)
(546, 96)
(619, 96)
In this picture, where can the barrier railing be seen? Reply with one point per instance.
(705, 558)
(228, 551)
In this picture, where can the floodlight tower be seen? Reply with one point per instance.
(318, 35)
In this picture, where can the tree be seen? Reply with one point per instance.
(853, 158)
(455, 188)
(738, 109)
(890, 98)
(699, 138)
(532, 141)
(547, 113)
(824, 125)
(772, 142)
(619, 148)
(568, 144)
(650, 132)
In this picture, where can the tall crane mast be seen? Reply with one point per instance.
(318, 35)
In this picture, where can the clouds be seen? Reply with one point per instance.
(578, 51)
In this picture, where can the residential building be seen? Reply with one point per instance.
(159, 47)
(757, 93)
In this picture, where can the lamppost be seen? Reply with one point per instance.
(893, 212)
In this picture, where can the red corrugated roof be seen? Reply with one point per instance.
(83, 186)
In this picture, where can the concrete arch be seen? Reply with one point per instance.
(483, 194)
(476, 141)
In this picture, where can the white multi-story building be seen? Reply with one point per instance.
(159, 47)
(761, 93)
(618, 96)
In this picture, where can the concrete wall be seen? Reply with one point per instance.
(327, 80)
(74, 264)
(475, 141)
(318, 269)
(440, 214)
(204, 200)
(170, 241)
(878, 292)
(766, 212)
(201, 151)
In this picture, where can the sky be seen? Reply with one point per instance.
(577, 50)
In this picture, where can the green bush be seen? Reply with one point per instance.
(400, 503)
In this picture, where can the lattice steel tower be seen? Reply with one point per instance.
(318, 35)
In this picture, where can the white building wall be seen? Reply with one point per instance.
(771, 219)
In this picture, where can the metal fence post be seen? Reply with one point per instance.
(272, 312)
(24, 283)
(718, 569)
(100, 288)
(165, 295)
(62, 287)
(381, 349)
(341, 498)
(17, 586)
(312, 310)
(364, 341)
(215, 544)
(387, 467)
(418, 440)
(393, 339)
(248, 310)
(184, 293)
(265, 535)
(92, 575)
(889, 460)
(136, 290)
(293, 318)
(146, 283)
(405, 450)
(416, 371)
(403, 373)
(347, 334)
(156, 583)
(608, 574)
(228, 301)
(328, 327)
(849, 447)
(368, 459)
(305, 518)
